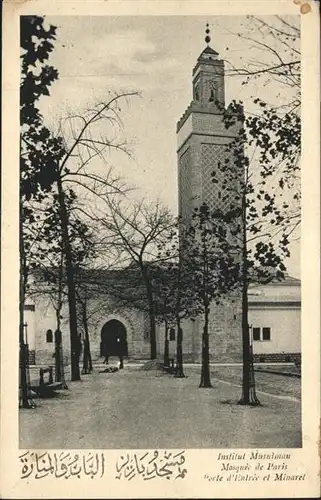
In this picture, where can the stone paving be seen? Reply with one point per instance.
(137, 409)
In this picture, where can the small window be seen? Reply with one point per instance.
(197, 92)
(49, 336)
(256, 333)
(172, 334)
(212, 96)
(261, 333)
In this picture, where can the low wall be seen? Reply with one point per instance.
(282, 357)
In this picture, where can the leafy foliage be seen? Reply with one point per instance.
(40, 152)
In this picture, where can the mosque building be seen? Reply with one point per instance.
(201, 143)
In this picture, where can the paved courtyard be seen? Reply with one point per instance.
(146, 409)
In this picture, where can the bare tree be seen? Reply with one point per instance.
(86, 138)
(274, 64)
(138, 229)
(274, 52)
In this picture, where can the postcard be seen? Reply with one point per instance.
(160, 277)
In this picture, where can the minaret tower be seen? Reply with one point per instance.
(202, 139)
(201, 134)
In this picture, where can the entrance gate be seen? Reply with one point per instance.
(113, 339)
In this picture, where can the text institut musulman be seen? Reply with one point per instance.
(253, 455)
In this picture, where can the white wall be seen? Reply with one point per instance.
(100, 310)
(45, 318)
(285, 324)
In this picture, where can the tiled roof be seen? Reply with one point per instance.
(287, 281)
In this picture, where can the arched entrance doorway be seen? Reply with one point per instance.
(113, 340)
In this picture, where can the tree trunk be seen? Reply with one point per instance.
(151, 312)
(166, 345)
(246, 349)
(59, 359)
(179, 340)
(248, 382)
(179, 350)
(87, 362)
(24, 401)
(205, 372)
(74, 339)
(58, 336)
(58, 374)
(153, 348)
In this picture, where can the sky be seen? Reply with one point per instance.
(154, 56)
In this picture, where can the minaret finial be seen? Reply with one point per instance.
(207, 37)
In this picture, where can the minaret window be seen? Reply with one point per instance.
(212, 96)
(197, 93)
